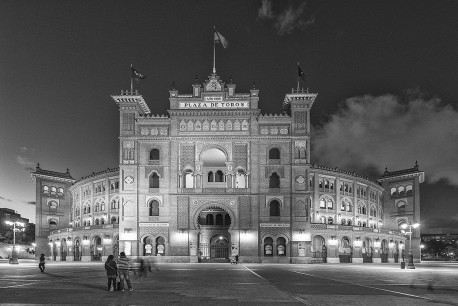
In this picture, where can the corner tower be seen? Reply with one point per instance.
(53, 206)
(402, 202)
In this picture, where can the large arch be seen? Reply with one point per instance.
(209, 205)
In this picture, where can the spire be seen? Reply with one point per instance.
(173, 85)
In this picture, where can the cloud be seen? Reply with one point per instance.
(286, 19)
(374, 132)
(23, 158)
(440, 225)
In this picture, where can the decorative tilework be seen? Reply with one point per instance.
(245, 212)
(183, 212)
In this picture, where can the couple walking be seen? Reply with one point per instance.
(120, 267)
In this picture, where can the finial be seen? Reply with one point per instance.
(254, 84)
(196, 80)
(173, 85)
(386, 171)
(416, 165)
(38, 166)
(230, 79)
(68, 170)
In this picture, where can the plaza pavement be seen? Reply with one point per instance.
(226, 284)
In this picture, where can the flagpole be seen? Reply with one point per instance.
(214, 31)
(131, 80)
(298, 77)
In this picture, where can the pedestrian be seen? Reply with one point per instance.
(142, 269)
(123, 269)
(41, 265)
(112, 272)
(237, 259)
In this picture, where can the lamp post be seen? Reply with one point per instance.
(410, 264)
(21, 228)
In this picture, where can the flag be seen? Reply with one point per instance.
(136, 74)
(220, 39)
(300, 73)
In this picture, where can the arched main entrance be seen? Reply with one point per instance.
(219, 247)
(214, 237)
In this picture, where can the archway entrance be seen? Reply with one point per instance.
(77, 251)
(219, 247)
(214, 237)
(96, 249)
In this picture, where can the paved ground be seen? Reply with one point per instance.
(226, 284)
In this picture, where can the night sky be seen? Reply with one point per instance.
(386, 75)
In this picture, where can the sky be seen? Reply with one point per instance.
(385, 73)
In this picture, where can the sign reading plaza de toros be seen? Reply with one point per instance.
(214, 102)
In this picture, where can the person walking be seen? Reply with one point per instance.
(123, 268)
(237, 259)
(112, 272)
(41, 265)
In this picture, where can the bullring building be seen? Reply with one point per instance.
(217, 178)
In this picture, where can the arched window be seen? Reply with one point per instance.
(274, 208)
(342, 205)
(52, 224)
(409, 190)
(154, 154)
(349, 207)
(393, 191)
(153, 208)
(53, 207)
(326, 184)
(211, 177)
(188, 179)
(154, 181)
(60, 190)
(281, 246)
(89, 209)
(219, 219)
(102, 206)
(274, 153)
(96, 221)
(322, 203)
(330, 204)
(401, 190)
(113, 220)
(45, 188)
(348, 222)
(401, 206)
(53, 189)
(102, 221)
(323, 219)
(209, 219)
(268, 244)
(219, 176)
(274, 181)
(115, 203)
(330, 220)
(89, 223)
(96, 207)
(240, 179)
(343, 221)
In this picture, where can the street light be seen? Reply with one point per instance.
(21, 228)
(410, 264)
